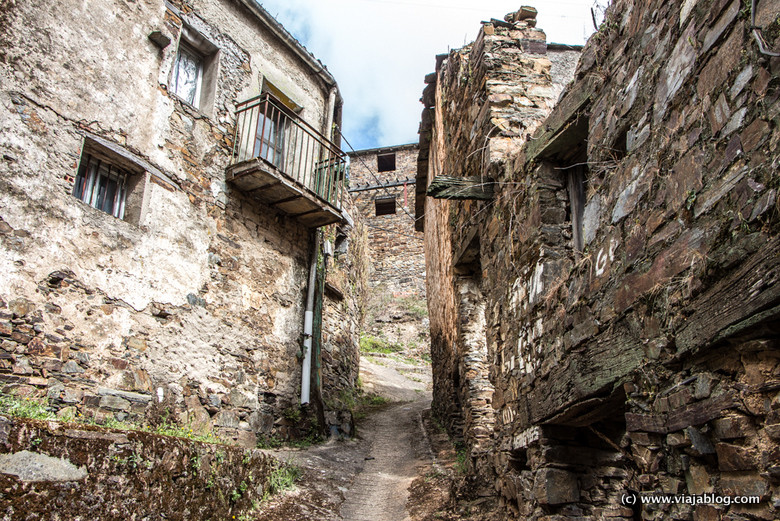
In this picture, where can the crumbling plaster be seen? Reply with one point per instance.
(202, 297)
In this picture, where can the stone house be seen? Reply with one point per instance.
(603, 268)
(382, 185)
(170, 178)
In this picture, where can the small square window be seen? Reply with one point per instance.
(110, 179)
(385, 205)
(385, 162)
(194, 74)
(101, 185)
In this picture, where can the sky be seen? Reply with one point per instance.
(379, 51)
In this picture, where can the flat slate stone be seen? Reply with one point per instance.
(31, 466)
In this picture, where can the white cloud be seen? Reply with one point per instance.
(380, 50)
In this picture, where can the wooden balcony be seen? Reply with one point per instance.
(284, 163)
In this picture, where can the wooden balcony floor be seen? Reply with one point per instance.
(265, 183)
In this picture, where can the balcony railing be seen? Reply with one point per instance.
(267, 130)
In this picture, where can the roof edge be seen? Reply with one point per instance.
(407, 146)
(284, 35)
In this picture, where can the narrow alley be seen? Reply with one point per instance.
(553, 295)
(366, 478)
(401, 466)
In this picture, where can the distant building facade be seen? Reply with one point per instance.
(382, 184)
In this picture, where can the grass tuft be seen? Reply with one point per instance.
(27, 407)
(283, 477)
(372, 344)
(38, 409)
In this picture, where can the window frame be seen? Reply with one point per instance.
(89, 181)
(271, 135)
(138, 175)
(576, 182)
(185, 49)
(382, 205)
(381, 158)
(194, 44)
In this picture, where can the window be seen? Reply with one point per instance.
(101, 185)
(576, 178)
(112, 179)
(272, 124)
(194, 74)
(385, 205)
(188, 75)
(385, 163)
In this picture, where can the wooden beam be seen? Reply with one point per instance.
(460, 188)
(717, 315)
(588, 373)
(286, 200)
(263, 187)
(572, 103)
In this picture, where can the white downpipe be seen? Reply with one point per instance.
(308, 324)
(306, 373)
(327, 131)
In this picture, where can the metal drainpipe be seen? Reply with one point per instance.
(308, 317)
(308, 322)
(328, 130)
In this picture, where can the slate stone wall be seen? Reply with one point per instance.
(646, 359)
(396, 306)
(88, 472)
(481, 104)
(396, 249)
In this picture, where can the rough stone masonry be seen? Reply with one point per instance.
(197, 296)
(603, 280)
(382, 184)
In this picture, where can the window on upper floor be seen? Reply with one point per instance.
(385, 205)
(385, 162)
(274, 126)
(188, 74)
(194, 75)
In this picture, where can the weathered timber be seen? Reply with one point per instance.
(461, 188)
(549, 134)
(700, 412)
(646, 423)
(715, 310)
(694, 414)
(761, 324)
(589, 411)
(594, 371)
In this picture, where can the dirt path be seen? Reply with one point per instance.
(397, 440)
(366, 478)
(381, 490)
